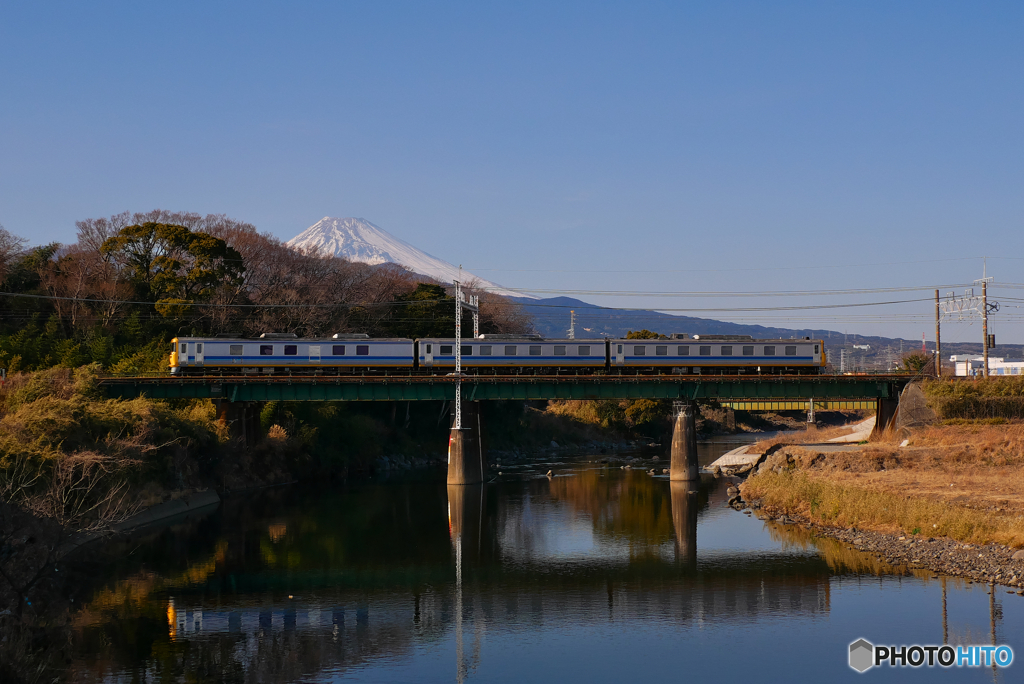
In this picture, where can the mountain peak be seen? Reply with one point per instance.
(359, 240)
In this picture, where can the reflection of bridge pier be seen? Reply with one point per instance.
(466, 509)
(466, 506)
(684, 520)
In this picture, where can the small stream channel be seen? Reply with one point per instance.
(597, 574)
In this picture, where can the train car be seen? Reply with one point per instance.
(283, 354)
(513, 352)
(732, 354)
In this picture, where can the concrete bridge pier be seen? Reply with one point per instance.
(467, 463)
(683, 465)
(242, 419)
(684, 520)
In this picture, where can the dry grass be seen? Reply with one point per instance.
(976, 466)
(843, 504)
(818, 436)
(966, 479)
(1005, 439)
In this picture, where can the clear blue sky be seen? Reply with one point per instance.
(650, 139)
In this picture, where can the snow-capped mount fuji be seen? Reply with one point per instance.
(359, 240)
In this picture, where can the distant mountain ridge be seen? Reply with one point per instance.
(359, 240)
(551, 319)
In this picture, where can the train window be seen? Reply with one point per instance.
(705, 351)
(485, 350)
(748, 351)
(727, 351)
(362, 350)
(584, 350)
(266, 350)
(534, 350)
(510, 350)
(467, 350)
(291, 349)
(790, 351)
(199, 348)
(559, 350)
(620, 348)
(184, 348)
(661, 351)
(235, 349)
(446, 350)
(683, 351)
(639, 350)
(815, 349)
(338, 350)
(430, 348)
(769, 351)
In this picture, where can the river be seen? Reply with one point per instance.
(595, 574)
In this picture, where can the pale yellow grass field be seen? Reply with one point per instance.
(965, 482)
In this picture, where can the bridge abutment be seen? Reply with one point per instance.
(683, 464)
(467, 462)
(885, 415)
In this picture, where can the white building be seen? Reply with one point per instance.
(972, 365)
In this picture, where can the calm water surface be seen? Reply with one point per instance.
(597, 574)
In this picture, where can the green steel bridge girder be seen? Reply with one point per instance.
(476, 389)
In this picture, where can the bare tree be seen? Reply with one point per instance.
(10, 247)
(85, 287)
(81, 493)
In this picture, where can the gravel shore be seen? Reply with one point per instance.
(989, 563)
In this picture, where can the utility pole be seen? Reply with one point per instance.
(938, 343)
(984, 323)
(968, 306)
(572, 324)
(473, 306)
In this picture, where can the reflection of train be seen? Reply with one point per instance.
(277, 354)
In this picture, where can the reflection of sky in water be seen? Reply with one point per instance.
(558, 586)
(539, 528)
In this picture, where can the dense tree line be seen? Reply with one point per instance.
(132, 281)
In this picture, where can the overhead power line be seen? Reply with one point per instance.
(413, 302)
(724, 293)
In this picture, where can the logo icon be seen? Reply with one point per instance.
(861, 655)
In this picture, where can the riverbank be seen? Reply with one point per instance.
(948, 498)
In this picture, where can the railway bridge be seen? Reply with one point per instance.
(238, 398)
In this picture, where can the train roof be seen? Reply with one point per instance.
(719, 338)
(516, 338)
(354, 338)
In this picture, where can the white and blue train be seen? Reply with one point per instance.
(276, 354)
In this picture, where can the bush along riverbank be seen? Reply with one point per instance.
(948, 498)
(995, 399)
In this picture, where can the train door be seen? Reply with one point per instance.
(617, 354)
(314, 353)
(428, 355)
(199, 353)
